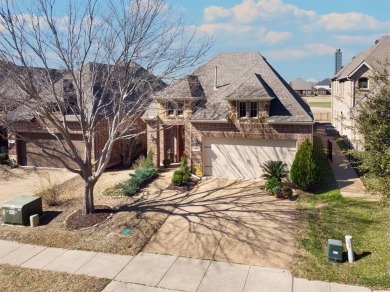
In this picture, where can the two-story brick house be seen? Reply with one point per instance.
(27, 132)
(353, 83)
(229, 116)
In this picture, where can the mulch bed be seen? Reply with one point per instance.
(78, 221)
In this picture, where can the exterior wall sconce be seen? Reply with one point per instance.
(195, 141)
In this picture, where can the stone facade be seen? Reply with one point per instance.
(345, 95)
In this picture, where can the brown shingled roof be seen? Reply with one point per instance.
(373, 56)
(243, 75)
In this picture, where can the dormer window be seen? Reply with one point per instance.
(170, 109)
(363, 83)
(180, 108)
(242, 109)
(175, 109)
(254, 109)
(248, 109)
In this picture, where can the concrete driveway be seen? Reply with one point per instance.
(231, 221)
(20, 181)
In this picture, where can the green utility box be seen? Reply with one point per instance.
(335, 250)
(19, 210)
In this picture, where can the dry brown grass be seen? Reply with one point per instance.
(23, 279)
(144, 213)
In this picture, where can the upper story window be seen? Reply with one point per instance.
(242, 109)
(363, 83)
(170, 109)
(175, 109)
(254, 109)
(248, 109)
(180, 108)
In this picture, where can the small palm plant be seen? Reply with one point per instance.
(274, 169)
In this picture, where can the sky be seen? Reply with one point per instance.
(297, 37)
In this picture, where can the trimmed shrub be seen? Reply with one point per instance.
(149, 159)
(274, 169)
(181, 177)
(139, 179)
(305, 171)
(271, 183)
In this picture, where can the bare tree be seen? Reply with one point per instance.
(104, 52)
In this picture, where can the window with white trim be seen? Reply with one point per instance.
(363, 83)
(254, 106)
(242, 109)
(180, 108)
(248, 109)
(170, 109)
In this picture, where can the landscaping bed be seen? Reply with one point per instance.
(143, 213)
(325, 214)
(22, 279)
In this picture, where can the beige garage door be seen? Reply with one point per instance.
(242, 158)
(29, 154)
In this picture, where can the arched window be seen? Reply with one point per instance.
(363, 83)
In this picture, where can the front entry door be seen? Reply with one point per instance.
(180, 141)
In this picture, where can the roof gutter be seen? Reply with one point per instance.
(290, 123)
(209, 121)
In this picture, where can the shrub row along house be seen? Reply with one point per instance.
(229, 116)
(353, 84)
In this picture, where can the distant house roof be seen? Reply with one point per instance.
(240, 76)
(300, 84)
(373, 57)
(325, 82)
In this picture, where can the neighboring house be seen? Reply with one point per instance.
(302, 87)
(353, 83)
(29, 133)
(229, 117)
(324, 87)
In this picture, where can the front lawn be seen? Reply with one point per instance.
(324, 104)
(23, 279)
(326, 214)
(141, 214)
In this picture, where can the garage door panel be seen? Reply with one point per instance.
(35, 156)
(242, 158)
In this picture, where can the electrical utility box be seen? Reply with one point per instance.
(335, 250)
(19, 210)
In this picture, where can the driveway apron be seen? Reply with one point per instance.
(229, 220)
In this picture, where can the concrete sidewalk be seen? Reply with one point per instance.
(155, 272)
(349, 183)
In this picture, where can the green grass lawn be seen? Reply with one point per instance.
(326, 214)
(320, 104)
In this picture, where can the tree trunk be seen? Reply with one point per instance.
(88, 205)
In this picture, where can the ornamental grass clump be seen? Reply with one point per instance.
(274, 169)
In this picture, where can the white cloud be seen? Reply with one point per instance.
(274, 37)
(347, 22)
(319, 49)
(212, 13)
(311, 49)
(250, 10)
(213, 28)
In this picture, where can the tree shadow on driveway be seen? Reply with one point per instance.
(222, 219)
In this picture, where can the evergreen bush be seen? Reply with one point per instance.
(181, 177)
(139, 179)
(305, 171)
